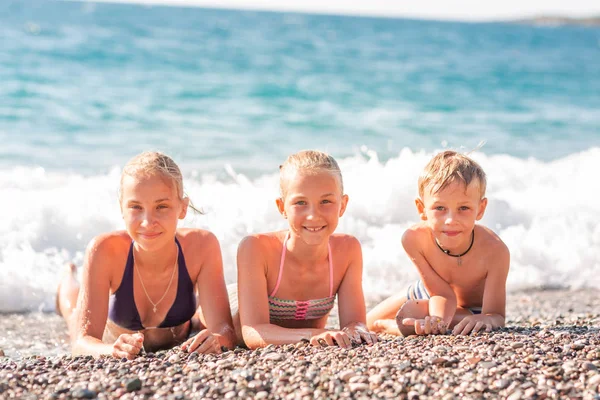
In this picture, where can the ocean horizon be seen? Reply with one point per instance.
(229, 94)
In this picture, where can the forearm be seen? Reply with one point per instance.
(88, 345)
(443, 307)
(264, 334)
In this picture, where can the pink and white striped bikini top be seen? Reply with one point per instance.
(281, 309)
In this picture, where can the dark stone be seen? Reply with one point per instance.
(133, 384)
(83, 394)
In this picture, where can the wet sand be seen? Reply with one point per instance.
(550, 348)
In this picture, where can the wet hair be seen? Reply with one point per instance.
(448, 167)
(152, 163)
(309, 162)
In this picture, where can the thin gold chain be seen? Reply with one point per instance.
(170, 281)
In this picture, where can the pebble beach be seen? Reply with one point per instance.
(550, 348)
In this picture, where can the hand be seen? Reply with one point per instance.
(128, 345)
(331, 338)
(473, 324)
(427, 326)
(204, 342)
(359, 333)
(388, 326)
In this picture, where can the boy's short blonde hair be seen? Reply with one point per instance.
(151, 163)
(448, 167)
(309, 162)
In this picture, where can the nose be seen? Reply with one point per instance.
(449, 217)
(311, 213)
(148, 219)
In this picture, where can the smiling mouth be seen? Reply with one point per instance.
(451, 233)
(149, 235)
(314, 229)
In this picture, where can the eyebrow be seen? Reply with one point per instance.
(157, 201)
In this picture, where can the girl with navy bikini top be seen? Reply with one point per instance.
(288, 281)
(138, 291)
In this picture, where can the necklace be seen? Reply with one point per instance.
(155, 305)
(458, 255)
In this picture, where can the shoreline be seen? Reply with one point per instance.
(549, 348)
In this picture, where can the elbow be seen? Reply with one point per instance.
(252, 338)
(77, 348)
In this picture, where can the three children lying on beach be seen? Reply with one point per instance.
(155, 285)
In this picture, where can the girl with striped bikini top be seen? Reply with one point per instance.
(281, 309)
(289, 307)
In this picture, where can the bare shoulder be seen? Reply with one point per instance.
(107, 244)
(345, 242)
(490, 241)
(192, 237)
(414, 236)
(262, 241)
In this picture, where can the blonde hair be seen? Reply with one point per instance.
(151, 163)
(448, 167)
(311, 162)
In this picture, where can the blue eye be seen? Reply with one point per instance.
(301, 203)
(440, 208)
(464, 208)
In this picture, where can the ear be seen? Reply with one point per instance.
(185, 202)
(421, 208)
(482, 207)
(344, 204)
(280, 206)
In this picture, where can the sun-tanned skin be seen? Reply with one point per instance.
(312, 204)
(449, 217)
(150, 208)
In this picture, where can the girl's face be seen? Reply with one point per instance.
(151, 208)
(313, 205)
(451, 213)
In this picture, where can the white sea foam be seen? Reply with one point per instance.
(545, 212)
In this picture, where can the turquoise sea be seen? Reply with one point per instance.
(229, 94)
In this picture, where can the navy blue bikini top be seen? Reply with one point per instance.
(123, 311)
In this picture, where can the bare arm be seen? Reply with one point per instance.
(214, 301)
(442, 303)
(494, 294)
(257, 330)
(92, 304)
(351, 300)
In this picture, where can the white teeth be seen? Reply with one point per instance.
(313, 229)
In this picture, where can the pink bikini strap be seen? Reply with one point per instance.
(283, 260)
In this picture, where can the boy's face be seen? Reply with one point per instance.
(451, 213)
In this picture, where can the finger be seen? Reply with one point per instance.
(342, 340)
(366, 337)
(198, 340)
(208, 346)
(488, 327)
(314, 341)
(409, 321)
(124, 350)
(477, 327)
(468, 328)
(459, 327)
(427, 328)
(329, 340)
(347, 340)
(419, 327)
